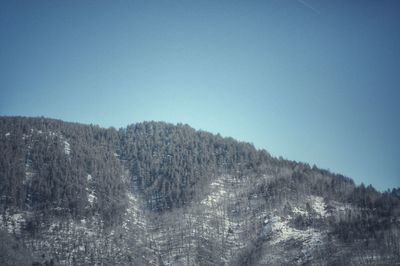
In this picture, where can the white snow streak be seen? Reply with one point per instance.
(283, 232)
(318, 205)
(67, 148)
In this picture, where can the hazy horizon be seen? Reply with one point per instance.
(316, 82)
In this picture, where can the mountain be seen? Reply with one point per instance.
(154, 193)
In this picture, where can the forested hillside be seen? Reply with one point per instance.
(154, 193)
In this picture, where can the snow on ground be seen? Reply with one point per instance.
(217, 219)
(217, 193)
(299, 211)
(136, 220)
(134, 211)
(67, 148)
(318, 205)
(12, 222)
(91, 196)
(7, 134)
(282, 231)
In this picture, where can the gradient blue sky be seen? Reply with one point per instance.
(312, 81)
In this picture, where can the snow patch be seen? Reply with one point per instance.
(281, 232)
(12, 222)
(91, 197)
(318, 205)
(299, 211)
(7, 134)
(67, 148)
(218, 193)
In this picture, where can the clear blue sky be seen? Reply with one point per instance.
(312, 81)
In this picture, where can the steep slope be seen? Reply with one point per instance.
(160, 194)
